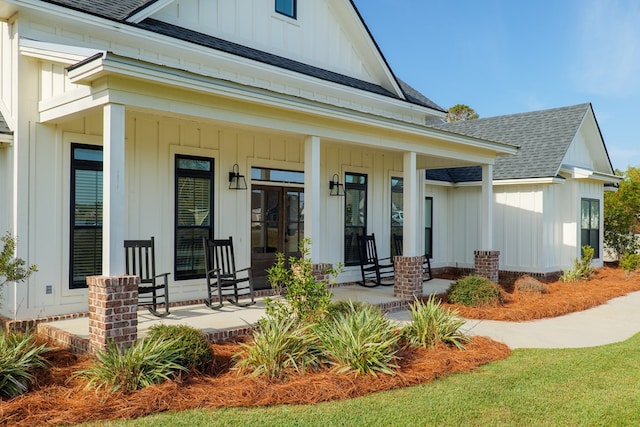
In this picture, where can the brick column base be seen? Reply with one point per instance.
(487, 264)
(113, 311)
(320, 272)
(407, 272)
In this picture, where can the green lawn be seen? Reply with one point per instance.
(575, 387)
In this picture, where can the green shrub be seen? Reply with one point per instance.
(431, 323)
(145, 363)
(195, 352)
(581, 267)
(630, 262)
(527, 283)
(474, 291)
(346, 307)
(20, 356)
(306, 299)
(280, 346)
(361, 339)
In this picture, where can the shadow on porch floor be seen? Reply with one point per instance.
(229, 321)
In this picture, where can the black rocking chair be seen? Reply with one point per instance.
(374, 273)
(140, 260)
(222, 277)
(426, 263)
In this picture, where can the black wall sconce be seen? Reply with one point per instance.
(236, 181)
(335, 188)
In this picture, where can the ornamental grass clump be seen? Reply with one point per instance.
(280, 346)
(475, 291)
(20, 357)
(194, 350)
(147, 362)
(527, 283)
(360, 339)
(431, 323)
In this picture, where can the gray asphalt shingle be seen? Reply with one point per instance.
(4, 128)
(543, 137)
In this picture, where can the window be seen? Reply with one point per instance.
(590, 225)
(397, 213)
(355, 218)
(86, 214)
(428, 227)
(287, 8)
(194, 208)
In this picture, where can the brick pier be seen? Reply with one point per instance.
(407, 276)
(113, 311)
(487, 264)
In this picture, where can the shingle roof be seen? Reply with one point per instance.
(543, 137)
(120, 10)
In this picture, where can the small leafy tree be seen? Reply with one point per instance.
(461, 112)
(622, 215)
(306, 298)
(12, 269)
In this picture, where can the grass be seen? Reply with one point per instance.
(559, 387)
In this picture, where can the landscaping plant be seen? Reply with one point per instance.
(361, 340)
(527, 283)
(20, 356)
(630, 262)
(194, 350)
(280, 345)
(475, 291)
(431, 323)
(12, 269)
(306, 299)
(147, 362)
(582, 269)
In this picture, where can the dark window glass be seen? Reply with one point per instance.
(428, 227)
(287, 7)
(355, 220)
(277, 175)
(194, 208)
(590, 225)
(397, 213)
(86, 214)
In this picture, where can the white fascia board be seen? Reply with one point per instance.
(530, 181)
(110, 63)
(606, 177)
(54, 51)
(6, 139)
(148, 11)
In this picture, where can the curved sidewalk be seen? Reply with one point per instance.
(615, 321)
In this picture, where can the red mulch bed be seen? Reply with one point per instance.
(56, 400)
(562, 298)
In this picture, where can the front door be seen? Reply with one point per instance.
(277, 225)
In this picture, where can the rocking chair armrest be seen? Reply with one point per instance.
(243, 269)
(164, 275)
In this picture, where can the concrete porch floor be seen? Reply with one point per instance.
(231, 320)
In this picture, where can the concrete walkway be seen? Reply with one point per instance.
(615, 321)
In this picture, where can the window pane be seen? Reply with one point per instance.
(87, 254)
(194, 201)
(277, 175)
(286, 7)
(88, 198)
(595, 214)
(585, 214)
(355, 215)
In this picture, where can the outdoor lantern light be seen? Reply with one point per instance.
(236, 181)
(335, 188)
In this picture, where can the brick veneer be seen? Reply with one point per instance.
(487, 264)
(319, 271)
(407, 272)
(113, 306)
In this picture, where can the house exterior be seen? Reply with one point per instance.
(183, 119)
(548, 198)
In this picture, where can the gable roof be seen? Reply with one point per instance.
(543, 137)
(120, 10)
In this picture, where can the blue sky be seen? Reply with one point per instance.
(511, 56)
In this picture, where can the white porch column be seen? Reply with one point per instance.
(411, 207)
(113, 192)
(312, 185)
(486, 208)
